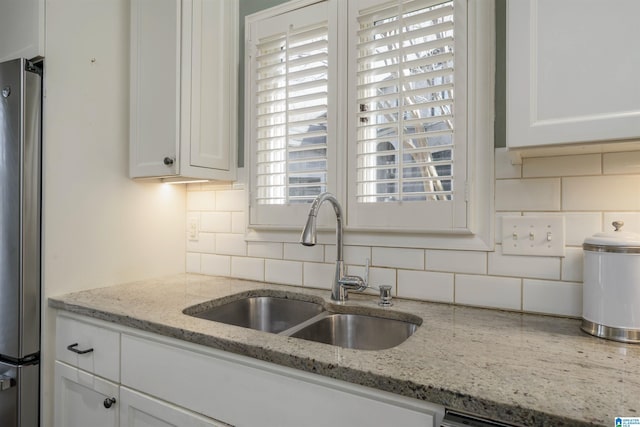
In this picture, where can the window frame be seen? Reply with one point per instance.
(478, 231)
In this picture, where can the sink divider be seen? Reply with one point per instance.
(292, 330)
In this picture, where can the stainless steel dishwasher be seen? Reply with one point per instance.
(457, 419)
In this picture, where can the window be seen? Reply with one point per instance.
(292, 74)
(379, 102)
(293, 129)
(408, 75)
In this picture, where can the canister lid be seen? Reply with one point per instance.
(613, 241)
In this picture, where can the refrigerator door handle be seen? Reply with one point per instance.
(73, 348)
(6, 382)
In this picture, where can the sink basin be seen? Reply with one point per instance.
(264, 313)
(296, 316)
(357, 331)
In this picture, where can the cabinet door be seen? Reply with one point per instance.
(81, 399)
(22, 29)
(572, 71)
(209, 68)
(139, 410)
(155, 88)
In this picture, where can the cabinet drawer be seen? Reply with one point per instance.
(88, 347)
(244, 392)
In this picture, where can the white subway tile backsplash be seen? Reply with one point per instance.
(265, 250)
(206, 243)
(238, 222)
(621, 163)
(585, 164)
(286, 272)
(572, 265)
(456, 261)
(523, 266)
(231, 244)
(216, 265)
(318, 275)
(503, 166)
(488, 291)
(247, 268)
(201, 200)
(601, 193)
(215, 222)
(230, 200)
(355, 255)
(426, 285)
(574, 186)
(297, 252)
(552, 297)
(193, 263)
(534, 194)
(580, 225)
(412, 259)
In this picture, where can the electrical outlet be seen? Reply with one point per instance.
(193, 228)
(533, 235)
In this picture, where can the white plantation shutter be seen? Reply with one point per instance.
(408, 114)
(291, 63)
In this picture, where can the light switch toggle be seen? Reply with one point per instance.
(548, 236)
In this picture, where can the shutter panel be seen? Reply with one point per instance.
(405, 92)
(291, 143)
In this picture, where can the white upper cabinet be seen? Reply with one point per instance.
(573, 70)
(183, 89)
(22, 29)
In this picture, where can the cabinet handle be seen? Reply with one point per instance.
(108, 402)
(73, 348)
(168, 161)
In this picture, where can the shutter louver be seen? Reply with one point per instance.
(405, 89)
(292, 98)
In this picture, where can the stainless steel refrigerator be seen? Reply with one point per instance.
(20, 201)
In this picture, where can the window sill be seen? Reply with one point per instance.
(455, 240)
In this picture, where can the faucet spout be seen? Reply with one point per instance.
(309, 238)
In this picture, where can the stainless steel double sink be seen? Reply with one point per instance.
(297, 316)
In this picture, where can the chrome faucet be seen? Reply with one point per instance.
(341, 282)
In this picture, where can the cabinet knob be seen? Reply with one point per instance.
(168, 161)
(108, 402)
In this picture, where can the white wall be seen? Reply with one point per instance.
(589, 190)
(99, 227)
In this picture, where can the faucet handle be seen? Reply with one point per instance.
(366, 272)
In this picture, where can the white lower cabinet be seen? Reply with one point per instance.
(169, 382)
(83, 399)
(140, 410)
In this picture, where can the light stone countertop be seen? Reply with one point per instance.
(519, 368)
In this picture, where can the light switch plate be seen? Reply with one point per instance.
(193, 228)
(541, 235)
